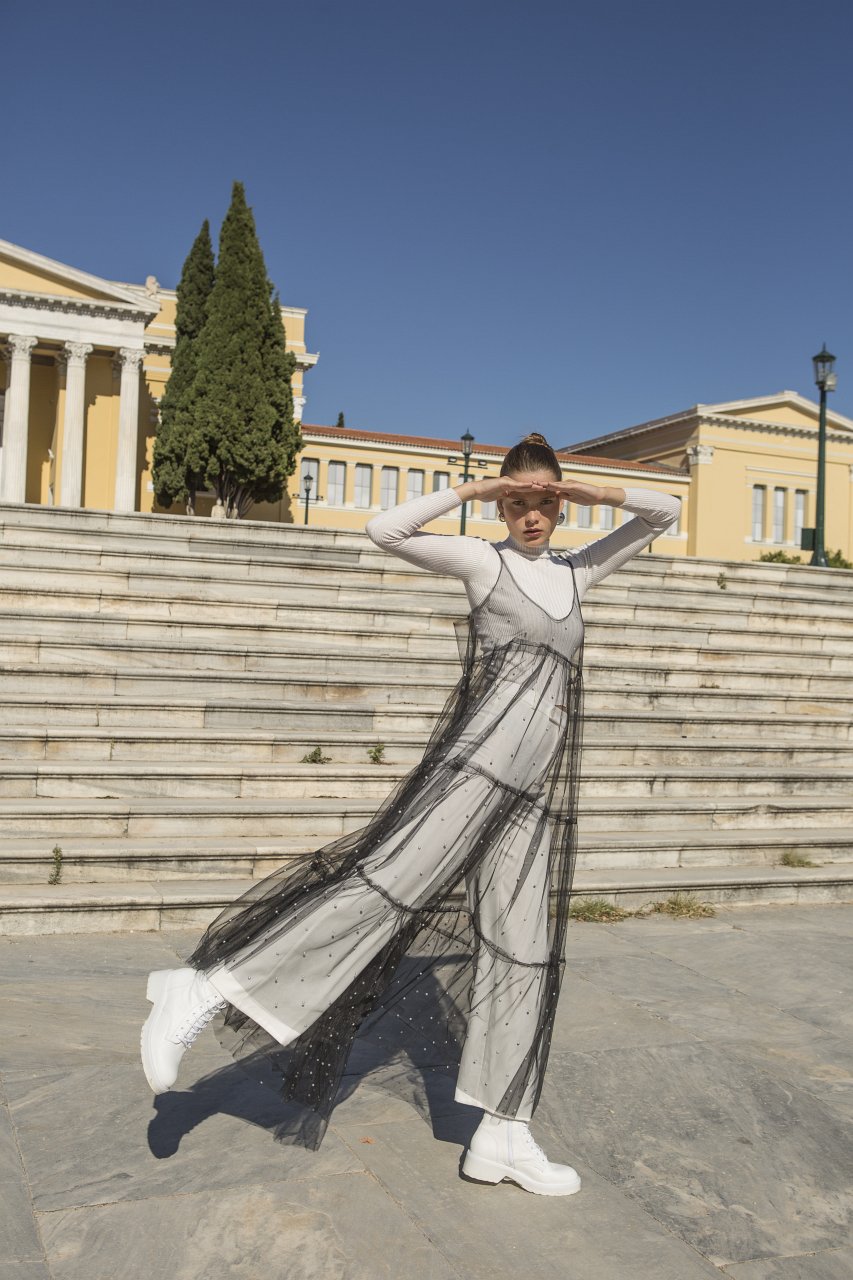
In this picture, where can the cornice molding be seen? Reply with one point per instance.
(54, 302)
(772, 428)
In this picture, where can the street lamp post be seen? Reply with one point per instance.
(825, 380)
(308, 481)
(467, 446)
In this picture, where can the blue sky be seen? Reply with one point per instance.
(502, 217)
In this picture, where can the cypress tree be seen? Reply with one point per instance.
(340, 422)
(171, 476)
(244, 441)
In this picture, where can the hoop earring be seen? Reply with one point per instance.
(561, 519)
(501, 516)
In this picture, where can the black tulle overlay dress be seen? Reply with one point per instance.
(425, 951)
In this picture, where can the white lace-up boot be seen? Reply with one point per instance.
(503, 1148)
(184, 1002)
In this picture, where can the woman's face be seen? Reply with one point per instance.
(531, 517)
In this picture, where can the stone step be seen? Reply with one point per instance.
(711, 719)
(101, 859)
(685, 644)
(150, 905)
(334, 630)
(642, 749)
(390, 609)
(25, 661)
(236, 584)
(89, 559)
(177, 534)
(286, 782)
(612, 688)
(322, 820)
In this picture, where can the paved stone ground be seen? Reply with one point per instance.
(701, 1081)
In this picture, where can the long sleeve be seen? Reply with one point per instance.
(653, 513)
(399, 530)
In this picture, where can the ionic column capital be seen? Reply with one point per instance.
(20, 346)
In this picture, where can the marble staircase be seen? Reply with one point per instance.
(163, 678)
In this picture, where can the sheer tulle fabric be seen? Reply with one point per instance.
(425, 951)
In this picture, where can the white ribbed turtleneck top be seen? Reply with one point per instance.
(542, 575)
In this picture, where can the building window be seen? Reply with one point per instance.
(758, 497)
(309, 467)
(799, 515)
(584, 517)
(363, 484)
(489, 510)
(440, 480)
(606, 516)
(335, 484)
(778, 515)
(414, 484)
(388, 485)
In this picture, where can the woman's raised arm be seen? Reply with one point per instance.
(399, 530)
(653, 513)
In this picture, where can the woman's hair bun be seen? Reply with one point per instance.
(531, 454)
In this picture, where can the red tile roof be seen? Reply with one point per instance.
(497, 450)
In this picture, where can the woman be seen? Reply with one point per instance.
(437, 931)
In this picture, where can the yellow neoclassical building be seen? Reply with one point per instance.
(356, 473)
(87, 360)
(753, 472)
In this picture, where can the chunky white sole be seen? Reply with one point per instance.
(492, 1171)
(155, 991)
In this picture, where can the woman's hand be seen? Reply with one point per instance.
(585, 495)
(497, 487)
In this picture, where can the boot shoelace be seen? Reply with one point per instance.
(197, 1020)
(531, 1144)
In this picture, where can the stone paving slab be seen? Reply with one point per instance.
(836, 1264)
(701, 1081)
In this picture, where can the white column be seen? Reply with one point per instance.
(73, 423)
(129, 358)
(13, 482)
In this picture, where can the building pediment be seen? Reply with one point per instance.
(26, 275)
(781, 413)
(784, 408)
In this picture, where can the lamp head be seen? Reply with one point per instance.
(823, 363)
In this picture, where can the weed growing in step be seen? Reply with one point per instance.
(377, 754)
(791, 859)
(722, 581)
(677, 904)
(597, 909)
(56, 874)
(316, 757)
